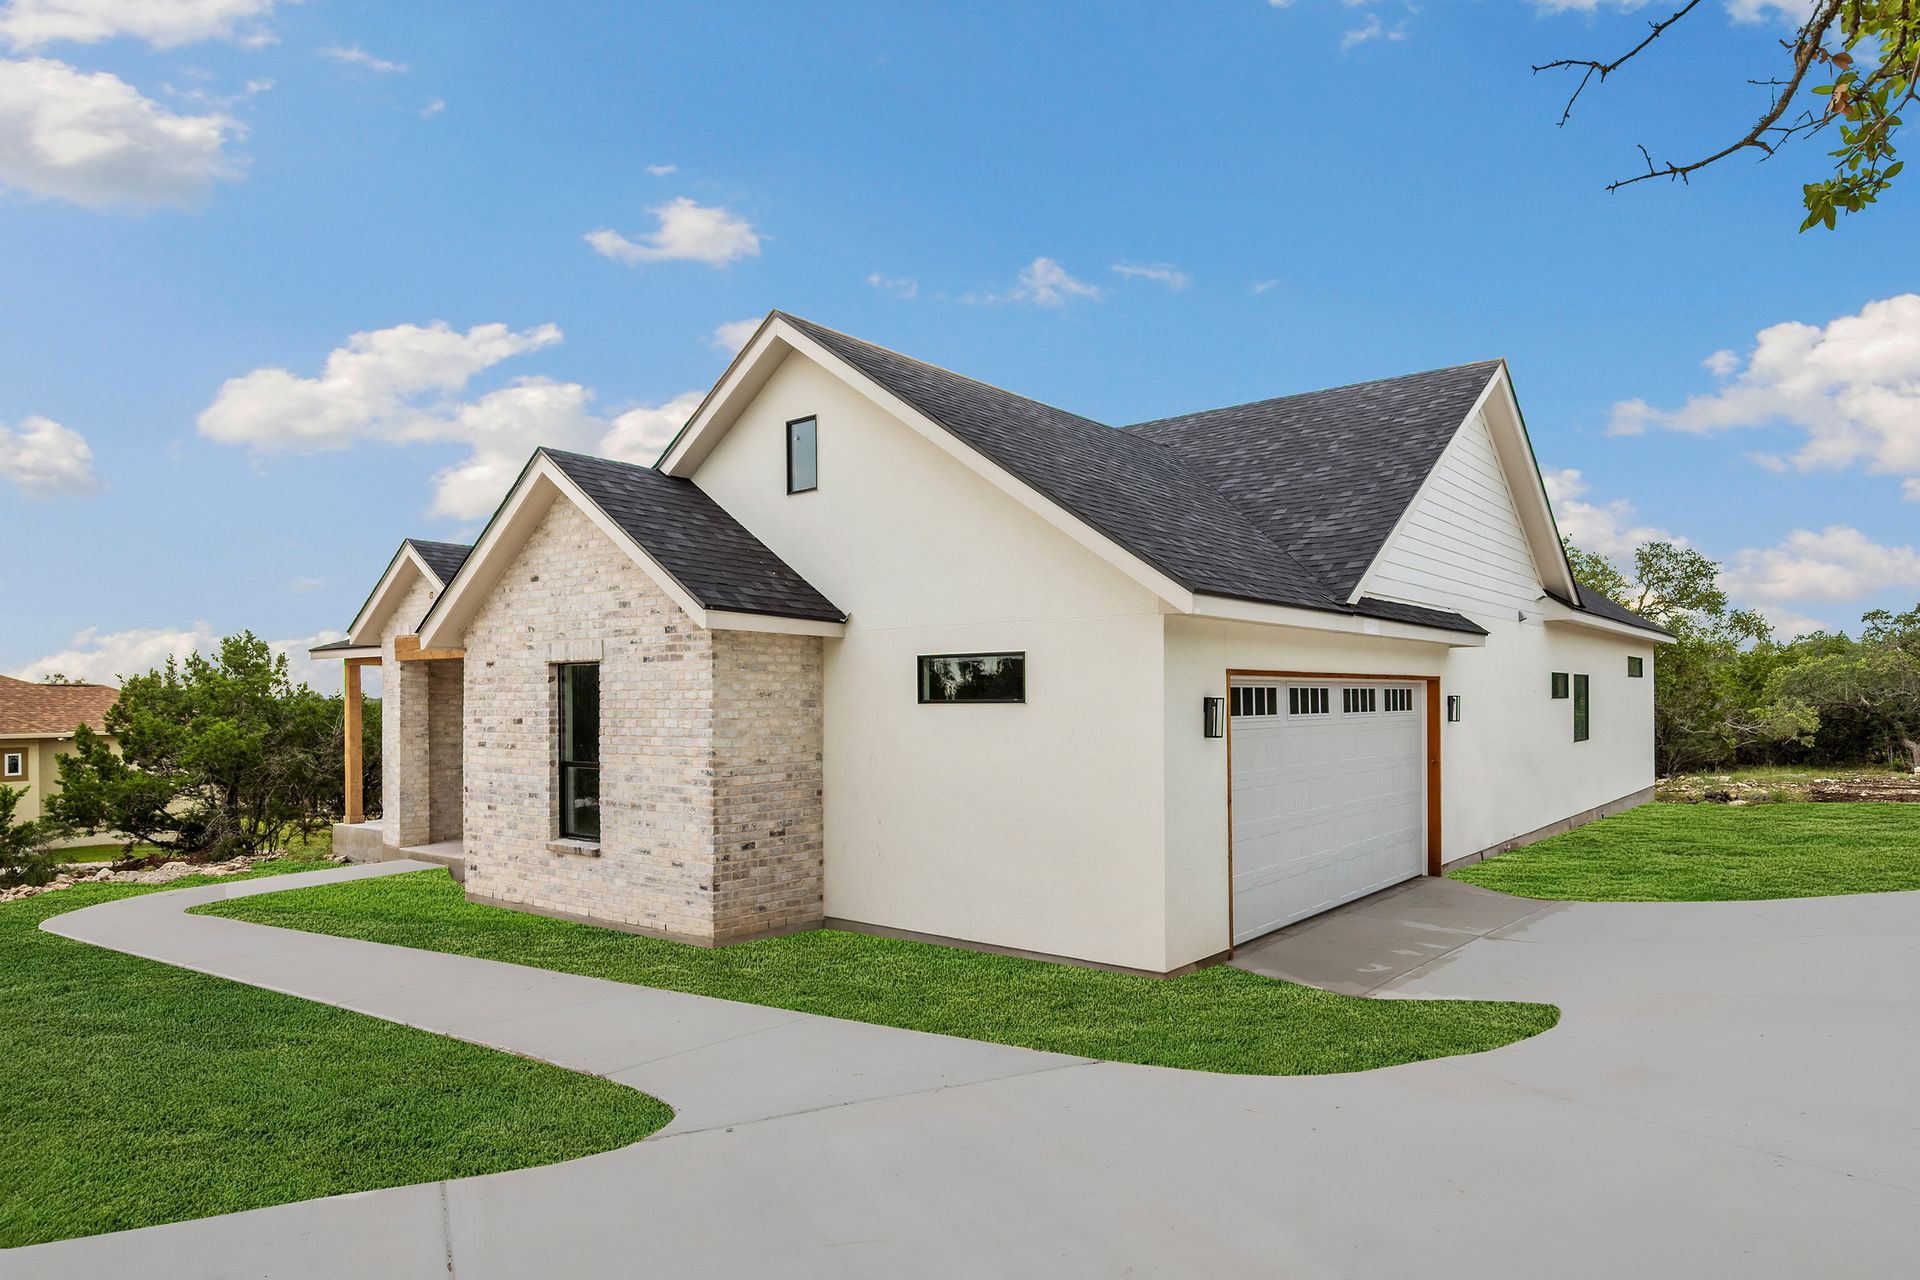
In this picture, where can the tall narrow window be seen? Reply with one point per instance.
(1581, 709)
(803, 456)
(580, 750)
(13, 765)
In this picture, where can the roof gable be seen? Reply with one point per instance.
(417, 559)
(706, 561)
(1328, 474)
(27, 707)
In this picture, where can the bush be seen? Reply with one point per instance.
(25, 857)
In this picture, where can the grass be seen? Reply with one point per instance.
(137, 1093)
(1717, 853)
(1218, 1019)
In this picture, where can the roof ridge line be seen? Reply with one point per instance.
(1317, 391)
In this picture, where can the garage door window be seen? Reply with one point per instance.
(1399, 699)
(1358, 702)
(1309, 702)
(1256, 700)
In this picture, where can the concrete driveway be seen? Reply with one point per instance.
(1730, 1093)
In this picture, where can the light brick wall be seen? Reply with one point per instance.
(676, 762)
(405, 813)
(446, 681)
(768, 835)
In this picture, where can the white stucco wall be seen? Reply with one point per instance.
(1038, 826)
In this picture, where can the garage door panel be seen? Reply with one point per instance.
(1326, 807)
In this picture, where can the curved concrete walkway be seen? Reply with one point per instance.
(1731, 1092)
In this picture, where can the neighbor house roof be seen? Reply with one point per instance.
(695, 540)
(1158, 502)
(27, 708)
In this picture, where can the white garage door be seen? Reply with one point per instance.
(1329, 795)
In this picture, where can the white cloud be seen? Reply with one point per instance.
(359, 57)
(1371, 29)
(408, 385)
(662, 170)
(1261, 286)
(30, 24)
(638, 435)
(303, 585)
(1852, 388)
(898, 286)
(1789, 623)
(1043, 282)
(1159, 272)
(92, 138)
(1610, 529)
(733, 335)
(433, 108)
(1793, 11)
(1837, 563)
(687, 232)
(43, 458)
(109, 657)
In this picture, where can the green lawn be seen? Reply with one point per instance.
(1218, 1019)
(137, 1093)
(1714, 853)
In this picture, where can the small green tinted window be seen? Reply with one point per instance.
(1581, 709)
(803, 457)
(1559, 684)
(1636, 667)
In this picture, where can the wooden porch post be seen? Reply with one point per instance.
(351, 693)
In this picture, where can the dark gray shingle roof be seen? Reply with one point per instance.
(1328, 474)
(444, 558)
(1605, 606)
(694, 539)
(1161, 503)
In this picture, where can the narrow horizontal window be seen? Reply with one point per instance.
(1636, 667)
(1582, 709)
(803, 455)
(1358, 702)
(1559, 684)
(1256, 700)
(1309, 701)
(973, 677)
(1399, 699)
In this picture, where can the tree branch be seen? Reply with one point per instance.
(1605, 69)
(1807, 44)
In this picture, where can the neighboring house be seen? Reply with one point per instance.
(880, 645)
(36, 728)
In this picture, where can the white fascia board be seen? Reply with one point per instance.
(1514, 447)
(777, 338)
(542, 482)
(393, 587)
(730, 620)
(1279, 615)
(359, 651)
(1365, 585)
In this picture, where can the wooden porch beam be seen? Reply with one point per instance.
(350, 692)
(407, 649)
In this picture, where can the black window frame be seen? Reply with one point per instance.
(1562, 685)
(920, 662)
(570, 767)
(1636, 667)
(814, 441)
(1582, 708)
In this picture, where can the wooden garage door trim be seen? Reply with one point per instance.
(1434, 855)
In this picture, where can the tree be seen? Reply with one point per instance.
(215, 755)
(1871, 687)
(25, 855)
(1867, 51)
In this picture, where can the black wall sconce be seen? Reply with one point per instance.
(1214, 716)
(1453, 707)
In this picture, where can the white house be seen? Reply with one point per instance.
(880, 646)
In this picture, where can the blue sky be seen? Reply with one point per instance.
(1128, 210)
